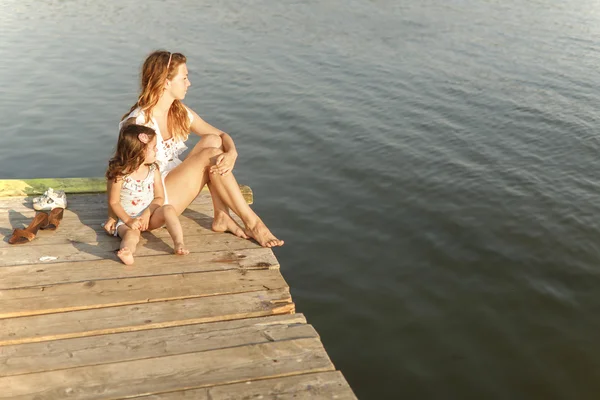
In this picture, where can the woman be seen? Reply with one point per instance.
(164, 84)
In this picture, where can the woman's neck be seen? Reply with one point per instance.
(161, 109)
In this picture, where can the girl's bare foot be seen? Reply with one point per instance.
(180, 250)
(125, 255)
(263, 235)
(224, 223)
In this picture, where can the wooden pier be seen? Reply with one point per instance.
(219, 323)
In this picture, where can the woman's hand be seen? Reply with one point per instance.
(145, 219)
(109, 226)
(224, 164)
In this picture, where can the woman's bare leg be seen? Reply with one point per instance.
(167, 215)
(222, 221)
(129, 240)
(229, 191)
(188, 178)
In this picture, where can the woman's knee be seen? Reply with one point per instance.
(207, 156)
(169, 209)
(211, 141)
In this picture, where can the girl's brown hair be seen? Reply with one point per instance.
(131, 151)
(158, 67)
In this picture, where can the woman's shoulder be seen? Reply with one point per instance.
(190, 113)
(140, 118)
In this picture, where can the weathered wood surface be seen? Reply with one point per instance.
(218, 323)
(117, 347)
(135, 317)
(47, 274)
(321, 386)
(117, 292)
(172, 372)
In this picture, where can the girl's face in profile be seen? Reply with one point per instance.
(179, 84)
(151, 152)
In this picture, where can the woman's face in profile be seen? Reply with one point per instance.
(180, 83)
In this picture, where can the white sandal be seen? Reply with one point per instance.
(50, 200)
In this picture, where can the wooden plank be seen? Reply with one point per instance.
(31, 187)
(118, 347)
(131, 318)
(77, 251)
(156, 375)
(93, 214)
(92, 224)
(119, 292)
(321, 385)
(82, 271)
(89, 229)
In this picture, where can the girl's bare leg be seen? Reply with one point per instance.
(129, 240)
(167, 215)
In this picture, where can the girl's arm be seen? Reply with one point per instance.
(111, 221)
(114, 203)
(157, 202)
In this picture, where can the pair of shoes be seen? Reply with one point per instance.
(50, 200)
(20, 236)
(42, 221)
(54, 218)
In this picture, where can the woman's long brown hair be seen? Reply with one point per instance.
(155, 72)
(131, 151)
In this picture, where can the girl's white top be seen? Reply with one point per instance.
(167, 151)
(136, 194)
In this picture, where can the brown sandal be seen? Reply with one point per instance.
(26, 235)
(54, 218)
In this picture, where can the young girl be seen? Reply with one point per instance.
(136, 194)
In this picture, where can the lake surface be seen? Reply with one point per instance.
(432, 165)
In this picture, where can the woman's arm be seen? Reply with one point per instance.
(225, 161)
(159, 192)
(201, 128)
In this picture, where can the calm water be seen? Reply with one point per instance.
(432, 165)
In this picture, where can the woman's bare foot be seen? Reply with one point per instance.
(125, 255)
(180, 249)
(263, 235)
(224, 223)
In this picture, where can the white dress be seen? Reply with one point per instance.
(136, 195)
(167, 151)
